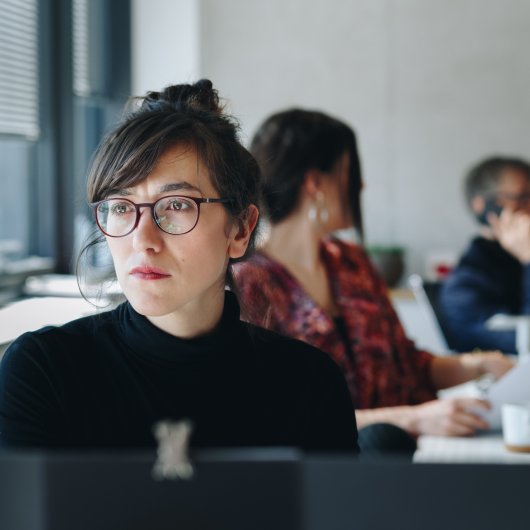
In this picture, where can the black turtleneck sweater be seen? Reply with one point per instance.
(103, 381)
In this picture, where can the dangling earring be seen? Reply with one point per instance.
(323, 211)
(319, 213)
(312, 214)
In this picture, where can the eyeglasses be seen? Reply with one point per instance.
(175, 214)
(521, 198)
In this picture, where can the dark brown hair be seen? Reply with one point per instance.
(290, 143)
(188, 115)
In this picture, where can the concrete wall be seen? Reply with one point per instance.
(430, 86)
(165, 43)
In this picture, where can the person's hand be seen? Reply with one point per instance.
(449, 417)
(512, 231)
(492, 362)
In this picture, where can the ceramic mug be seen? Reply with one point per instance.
(516, 426)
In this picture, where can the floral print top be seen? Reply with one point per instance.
(381, 365)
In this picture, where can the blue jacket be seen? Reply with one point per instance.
(487, 280)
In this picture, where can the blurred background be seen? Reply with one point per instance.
(430, 87)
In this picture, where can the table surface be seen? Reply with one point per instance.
(33, 313)
(484, 448)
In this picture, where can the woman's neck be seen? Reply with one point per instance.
(198, 317)
(296, 244)
(297, 247)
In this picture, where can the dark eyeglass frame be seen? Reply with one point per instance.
(197, 200)
(519, 198)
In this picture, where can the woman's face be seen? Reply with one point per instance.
(162, 273)
(335, 187)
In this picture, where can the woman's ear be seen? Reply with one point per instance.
(311, 185)
(244, 228)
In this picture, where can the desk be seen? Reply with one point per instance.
(481, 449)
(34, 313)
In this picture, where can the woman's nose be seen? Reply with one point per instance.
(147, 235)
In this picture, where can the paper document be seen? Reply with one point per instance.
(504, 322)
(512, 387)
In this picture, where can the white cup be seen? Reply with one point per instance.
(516, 426)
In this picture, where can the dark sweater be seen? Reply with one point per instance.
(103, 381)
(487, 280)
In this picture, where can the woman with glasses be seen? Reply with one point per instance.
(307, 283)
(174, 194)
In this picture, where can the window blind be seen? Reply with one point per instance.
(19, 102)
(81, 58)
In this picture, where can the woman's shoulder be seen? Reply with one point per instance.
(296, 368)
(261, 279)
(276, 349)
(346, 255)
(344, 249)
(256, 266)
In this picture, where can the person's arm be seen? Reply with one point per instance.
(512, 230)
(444, 417)
(440, 417)
(454, 370)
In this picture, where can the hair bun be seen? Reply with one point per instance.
(200, 96)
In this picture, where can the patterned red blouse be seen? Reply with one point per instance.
(382, 367)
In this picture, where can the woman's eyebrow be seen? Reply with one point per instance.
(173, 186)
(121, 192)
(176, 186)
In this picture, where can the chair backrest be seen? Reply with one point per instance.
(426, 294)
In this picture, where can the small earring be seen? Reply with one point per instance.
(321, 211)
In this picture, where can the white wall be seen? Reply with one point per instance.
(430, 86)
(165, 43)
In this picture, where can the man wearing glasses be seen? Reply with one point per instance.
(493, 275)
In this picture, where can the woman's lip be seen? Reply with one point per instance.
(149, 273)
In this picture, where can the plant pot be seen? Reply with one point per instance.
(389, 262)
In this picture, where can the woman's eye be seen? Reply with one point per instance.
(121, 208)
(178, 205)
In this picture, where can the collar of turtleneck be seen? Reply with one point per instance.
(146, 340)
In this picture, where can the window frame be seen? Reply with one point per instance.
(58, 159)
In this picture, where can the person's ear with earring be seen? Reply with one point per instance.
(319, 213)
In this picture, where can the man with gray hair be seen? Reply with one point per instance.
(493, 275)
